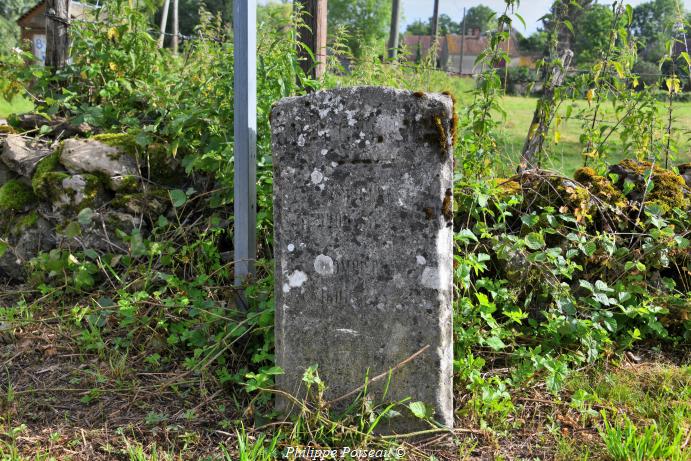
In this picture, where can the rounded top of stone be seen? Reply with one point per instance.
(368, 95)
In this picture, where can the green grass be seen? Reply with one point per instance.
(16, 106)
(565, 156)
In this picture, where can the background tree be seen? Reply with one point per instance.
(367, 21)
(534, 43)
(593, 30)
(479, 17)
(446, 26)
(566, 12)
(652, 24)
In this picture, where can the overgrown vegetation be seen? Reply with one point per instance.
(561, 284)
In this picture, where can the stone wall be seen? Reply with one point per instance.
(76, 194)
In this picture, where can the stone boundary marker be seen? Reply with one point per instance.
(364, 245)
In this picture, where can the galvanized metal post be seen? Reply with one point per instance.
(245, 136)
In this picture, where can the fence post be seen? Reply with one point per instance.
(314, 36)
(245, 137)
(57, 39)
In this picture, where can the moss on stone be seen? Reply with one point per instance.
(162, 168)
(668, 187)
(123, 141)
(16, 196)
(600, 187)
(49, 164)
(508, 187)
(22, 223)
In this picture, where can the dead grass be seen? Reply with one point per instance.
(60, 402)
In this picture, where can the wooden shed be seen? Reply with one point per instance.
(33, 25)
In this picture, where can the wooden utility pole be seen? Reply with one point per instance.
(176, 27)
(395, 24)
(57, 38)
(313, 35)
(245, 137)
(164, 23)
(463, 32)
(435, 20)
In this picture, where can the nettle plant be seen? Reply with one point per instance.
(169, 295)
(550, 272)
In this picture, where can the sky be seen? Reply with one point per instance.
(530, 10)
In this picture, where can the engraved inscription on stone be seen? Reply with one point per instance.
(363, 248)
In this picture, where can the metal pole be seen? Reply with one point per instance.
(463, 32)
(245, 137)
(393, 33)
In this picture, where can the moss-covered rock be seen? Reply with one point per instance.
(151, 202)
(16, 196)
(600, 187)
(123, 141)
(669, 189)
(44, 169)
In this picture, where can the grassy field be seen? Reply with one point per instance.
(565, 156)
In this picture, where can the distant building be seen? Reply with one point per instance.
(452, 48)
(33, 25)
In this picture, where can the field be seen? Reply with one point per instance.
(565, 157)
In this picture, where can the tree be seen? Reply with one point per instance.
(479, 17)
(446, 26)
(366, 20)
(652, 24)
(534, 43)
(565, 12)
(593, 28)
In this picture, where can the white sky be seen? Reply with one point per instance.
(530, 10)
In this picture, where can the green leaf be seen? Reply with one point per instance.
(3, 248)
(495, 343)
(72, 230)
(178, 197)
(420, 410)
(85, 216)
(535, 241)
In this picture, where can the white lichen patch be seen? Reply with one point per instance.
(291, 247)
(324, 151)
(301, 140)
(421, 260)
(295, 280)
(316, 176)
(324, 265)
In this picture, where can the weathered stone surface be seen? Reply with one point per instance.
(5, 173)
(363, 243)
(89, 156)
(21, 155)
(25, 236)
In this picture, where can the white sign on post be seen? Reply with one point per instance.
(39, 48)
